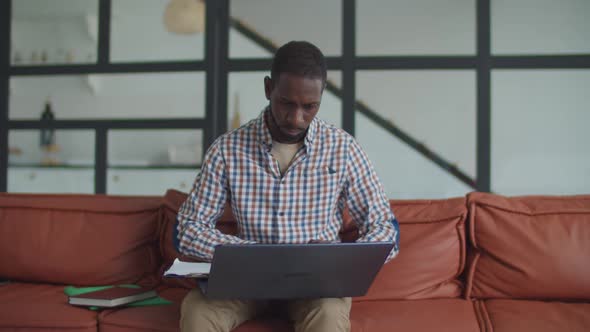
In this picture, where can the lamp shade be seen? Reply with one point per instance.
(185, 16)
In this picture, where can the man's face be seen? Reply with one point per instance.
(294, 102)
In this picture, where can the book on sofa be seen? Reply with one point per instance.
(112, 297)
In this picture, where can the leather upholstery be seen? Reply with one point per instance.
(524, 260)
(61, 238)
(535, 247)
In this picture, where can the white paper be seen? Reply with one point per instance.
(186, 269)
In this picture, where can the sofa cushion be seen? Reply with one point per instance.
(414, 315)
(530, 247)
(79, 239)
(167, 318)
(41, 307)
(537, 316)
(432, 252)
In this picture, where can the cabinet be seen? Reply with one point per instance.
(149, 181)
(51, 180)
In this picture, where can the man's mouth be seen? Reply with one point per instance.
(292, 131)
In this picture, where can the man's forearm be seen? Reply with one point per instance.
(200, 242)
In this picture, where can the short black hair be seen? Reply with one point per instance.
(299, 58)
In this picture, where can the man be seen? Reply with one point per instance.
(288, 176)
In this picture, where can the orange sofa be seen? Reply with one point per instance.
(482, 262)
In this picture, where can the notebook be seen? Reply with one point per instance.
(188, 269)
(290, 271)
(112, 297)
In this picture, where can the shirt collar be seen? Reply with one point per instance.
(265, 138)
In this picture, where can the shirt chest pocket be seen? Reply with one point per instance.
(318, 187)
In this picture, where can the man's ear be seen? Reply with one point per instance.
(268, 86)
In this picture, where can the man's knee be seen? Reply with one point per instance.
(331, 314)
(198, 314)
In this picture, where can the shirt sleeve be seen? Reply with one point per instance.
(196, 218)
(367, 203)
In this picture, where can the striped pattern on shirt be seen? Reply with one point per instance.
(328, 172)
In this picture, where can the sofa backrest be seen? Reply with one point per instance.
(530, 247)
(432, 247)
(432, 252)
(79, 239)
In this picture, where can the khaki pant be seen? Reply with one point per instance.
(200, 314)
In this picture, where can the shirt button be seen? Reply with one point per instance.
(281, 214)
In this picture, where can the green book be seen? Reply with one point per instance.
(72, 291)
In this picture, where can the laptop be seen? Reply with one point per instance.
(291, 271)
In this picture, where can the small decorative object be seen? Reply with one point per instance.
(70, 56)
(44, 57)
(34, 57)
(14, 154)
(47, 138)
(17, 58)
(61, 55)
(185, 16)
(235, 121)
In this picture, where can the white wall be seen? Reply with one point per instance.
(435, 107)
(540, 131)
(540, 26)
(412, 27)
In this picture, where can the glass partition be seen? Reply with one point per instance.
(540, 27)
(436, 108)
(280, 21)
(157, 30)
(43, 161)
(155, 148)
(415, 27)
(540, 132)
(109, 96)
(54, 32)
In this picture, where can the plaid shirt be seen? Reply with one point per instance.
(330, 171)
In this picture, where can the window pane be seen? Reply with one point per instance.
(540, 132)
(139, 31)
(156, 148)
(434, 107)
(540, 26)
(415, 27)
(149, 181)
(280, 21)
(63, 164)
(404, 173)
(148, 162)
(54, 32)
(60, 148)
(51, 180)
(110, 96)
(247, 99)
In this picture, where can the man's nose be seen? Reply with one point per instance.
(295, 118)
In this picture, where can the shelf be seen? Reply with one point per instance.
(73, 166)
(59, 166)
(157, 167)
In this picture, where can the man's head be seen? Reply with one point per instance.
(298, 79)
